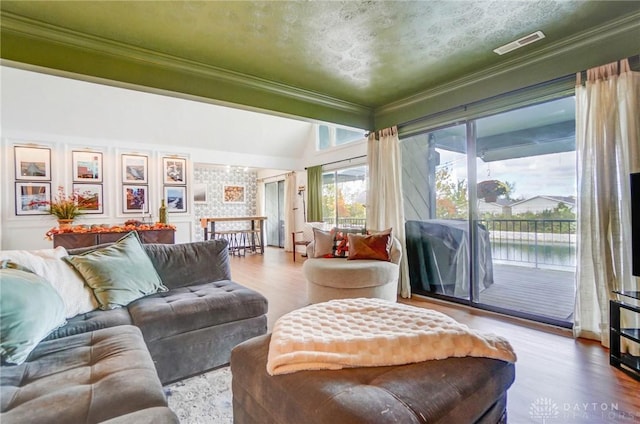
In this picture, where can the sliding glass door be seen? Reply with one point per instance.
(274, 210)
(490, 209)
(437, 211)
(526, 173)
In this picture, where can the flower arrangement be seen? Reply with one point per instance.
(65, 206)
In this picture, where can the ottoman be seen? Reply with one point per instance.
(453, 390)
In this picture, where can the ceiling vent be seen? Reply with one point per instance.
(520, 42)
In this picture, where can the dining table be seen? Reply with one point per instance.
(256, 223)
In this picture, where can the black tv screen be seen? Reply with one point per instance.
(635, 223)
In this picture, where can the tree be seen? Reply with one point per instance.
(328, 201)
(451, 196)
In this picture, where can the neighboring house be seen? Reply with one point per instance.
(538, 204)
(499, 207)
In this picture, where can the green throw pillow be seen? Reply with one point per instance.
(118, 274)
(30, 308)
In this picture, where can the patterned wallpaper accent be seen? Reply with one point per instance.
(215, 178)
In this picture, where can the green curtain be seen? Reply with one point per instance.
(314, 194)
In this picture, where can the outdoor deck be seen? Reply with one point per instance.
(546, 292)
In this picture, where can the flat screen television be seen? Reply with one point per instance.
(635, 223)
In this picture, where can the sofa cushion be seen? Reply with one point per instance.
(191, 308)
(342, 273)
(91, 321)
(86, 378)
(119, 273)
(48, 263)
(187, 264)
(30, 308)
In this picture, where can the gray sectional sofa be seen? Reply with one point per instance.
(110, 365)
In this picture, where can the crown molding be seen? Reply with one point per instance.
(560, 54)
(27, 28)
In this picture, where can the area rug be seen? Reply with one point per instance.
(202, 399)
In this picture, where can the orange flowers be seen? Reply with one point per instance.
(83, 229)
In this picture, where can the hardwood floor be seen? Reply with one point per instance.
(569, 380)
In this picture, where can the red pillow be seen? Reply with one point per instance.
(340, 245)
(374, 246)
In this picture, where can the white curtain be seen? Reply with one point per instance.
(384, 193)
(608, 150)
(290, 192)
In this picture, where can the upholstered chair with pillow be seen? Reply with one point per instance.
(357, 265)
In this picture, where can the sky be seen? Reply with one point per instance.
(553, 174)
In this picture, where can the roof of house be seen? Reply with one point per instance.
(568, 200)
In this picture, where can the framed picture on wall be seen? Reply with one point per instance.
(87, 166)
(32, 163)
(233, 194)
(174, 170)
(135, 169)
(33, 198)
(175, 198)
(89, 197)
(135, 199)
(200, 193)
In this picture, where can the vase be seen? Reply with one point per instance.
(65, 224)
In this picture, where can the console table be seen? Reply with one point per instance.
(75, 240)
(257, 225)
(628, 363)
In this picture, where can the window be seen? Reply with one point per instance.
(332, 136)
(344, 197)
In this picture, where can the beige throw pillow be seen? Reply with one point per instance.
(323, 243)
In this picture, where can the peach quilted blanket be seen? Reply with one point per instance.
(373, 332)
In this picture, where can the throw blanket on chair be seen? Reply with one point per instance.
(362, 332)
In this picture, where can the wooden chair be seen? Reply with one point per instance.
(298, 243)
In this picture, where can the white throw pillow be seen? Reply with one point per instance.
(48, 263)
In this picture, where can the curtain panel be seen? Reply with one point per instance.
(314, 194)
(608, 150)
(289, 208)
(385, 207)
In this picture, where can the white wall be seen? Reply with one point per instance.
(65, 114)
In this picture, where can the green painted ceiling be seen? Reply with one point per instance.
(352, 62)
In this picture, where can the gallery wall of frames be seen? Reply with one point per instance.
(114, 183)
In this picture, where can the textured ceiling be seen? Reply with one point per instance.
(369, 53)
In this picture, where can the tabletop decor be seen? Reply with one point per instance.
(106, 228)
(65, 207)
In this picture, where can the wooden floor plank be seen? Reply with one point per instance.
(574, 375)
